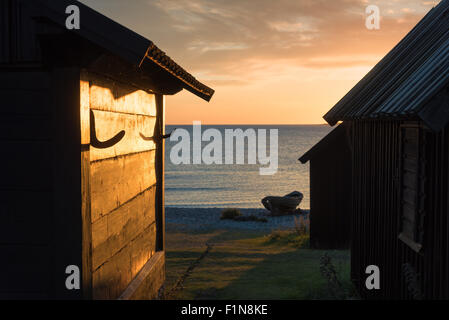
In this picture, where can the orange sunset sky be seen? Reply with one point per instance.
(270, 62)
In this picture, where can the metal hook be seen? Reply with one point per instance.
(156, 139)
(94, 142)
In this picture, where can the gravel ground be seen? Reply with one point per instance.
(199, 219)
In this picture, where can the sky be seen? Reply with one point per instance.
(269, 62)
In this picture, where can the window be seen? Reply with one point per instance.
(412, 186)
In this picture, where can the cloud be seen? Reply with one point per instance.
(227, 83)
(240, 40)
(407, 10)
(203, 46)
(430, 3)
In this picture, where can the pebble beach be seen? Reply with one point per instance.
(208, 219)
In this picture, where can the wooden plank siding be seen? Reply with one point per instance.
(18, 42)
(115, 275)
(138, 288)
(379, 198)
(115, 230)
(106, 95)
(25, 271)
(83, 168)
(25, 187)
(122, 184)
(330, 190)
(115, 181)
(108, 124)
(375, 208)
(102, 216)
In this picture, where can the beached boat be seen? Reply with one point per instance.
(282, 205)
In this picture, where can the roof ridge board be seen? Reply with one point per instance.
(404, 72)
(342, 104)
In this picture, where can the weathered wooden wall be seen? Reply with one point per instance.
(40, 225)
(330, 194)
(375, 206)
(97, 209)
(26, 184)
(122, 184)
(376, 219)
(18, 42)
(65, 201)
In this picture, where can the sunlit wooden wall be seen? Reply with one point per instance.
(122, 187)
(64, 201)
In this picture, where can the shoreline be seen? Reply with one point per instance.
(202, 219)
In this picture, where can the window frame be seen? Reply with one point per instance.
(415, 241)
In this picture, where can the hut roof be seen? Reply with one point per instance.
(120, 41)
(409, 82)
(330, 139)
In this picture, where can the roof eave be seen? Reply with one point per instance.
(122, 42)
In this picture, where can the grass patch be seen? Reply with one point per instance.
(288, 237)
(248, 265)
(338, 286)
(298, 236)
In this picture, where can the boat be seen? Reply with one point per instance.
(283, 205)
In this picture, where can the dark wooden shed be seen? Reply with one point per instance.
(330, 190)
(82, 129)
(400, 163)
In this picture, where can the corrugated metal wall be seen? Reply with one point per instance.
(376, 214)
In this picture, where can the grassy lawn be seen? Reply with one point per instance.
(249, 265)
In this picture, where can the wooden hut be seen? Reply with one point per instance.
(400, 140)
(330, 190)
(82, 129)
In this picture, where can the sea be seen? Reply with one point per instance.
(240, 185)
